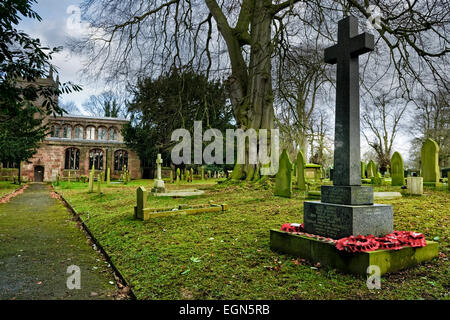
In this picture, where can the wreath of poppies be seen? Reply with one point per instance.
(392, 241)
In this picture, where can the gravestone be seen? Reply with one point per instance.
(300, 166)
(430, 161)
(178, 176)
(141, 203)
(283, 185)
(158, 185)
(99, 183)
(192, 174)
(108, 175)
(346, 208)
(414, 185)
(371, 169)
(363, 170)
(187, 176)
(397, 170)
(203, 172)
(91, 180)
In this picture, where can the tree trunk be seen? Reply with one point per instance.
(19, 175)
(250, 87)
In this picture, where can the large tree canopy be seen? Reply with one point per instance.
(240, 37)
(174, 100)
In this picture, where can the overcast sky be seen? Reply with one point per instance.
(55, 29)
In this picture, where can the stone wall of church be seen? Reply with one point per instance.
(51, 157)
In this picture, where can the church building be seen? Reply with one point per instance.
(75, 144)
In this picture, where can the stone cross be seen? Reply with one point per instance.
(345, 54)
(346, 208)
(158, 166)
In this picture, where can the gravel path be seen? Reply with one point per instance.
(38, 242)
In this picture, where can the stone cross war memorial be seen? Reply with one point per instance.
(346, 208)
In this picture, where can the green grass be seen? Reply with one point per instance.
(7, 187)
(227, 256)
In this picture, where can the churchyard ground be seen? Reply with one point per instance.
(7, 187)
(226, 255)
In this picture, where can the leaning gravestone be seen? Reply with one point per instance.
(430, 162)
(347, 208)
(300, 166)
(283, 183)
(397, 170)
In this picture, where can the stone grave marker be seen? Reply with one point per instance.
(99, 183)
(300, 175)
(430, 162)
(397, 170)
(283, 183)
(346, 208)
(108, 175)
(91, 180)
(415, 185)
(158, 185)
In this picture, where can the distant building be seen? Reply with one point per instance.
(75, 144)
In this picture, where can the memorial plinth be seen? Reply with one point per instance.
(347, 208)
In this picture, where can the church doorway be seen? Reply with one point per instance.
(38, 174)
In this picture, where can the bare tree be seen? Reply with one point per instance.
(432, 120)
(301, 76)
(382, 119)
(69, 107)
(106, 104)
(132, 38)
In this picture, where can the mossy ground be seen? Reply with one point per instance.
(226, 255)
(38, 242)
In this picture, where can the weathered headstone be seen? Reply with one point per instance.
(178, 176)
(371, 169)
(159, 183)
(430, 161)
(283, 183)
(99, 183)
(347, 208)
(415, 185)
(397, 170)
(108, 175)
(202, 170)
(192, 175)
(91, 180)
(363, 170)
(141, 203)
(300, 166)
